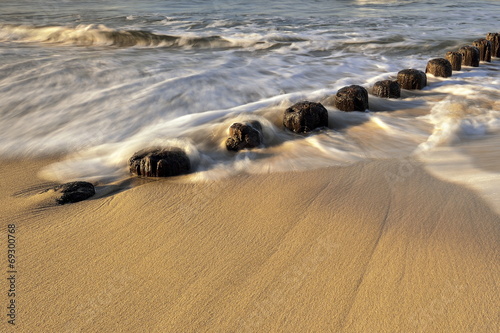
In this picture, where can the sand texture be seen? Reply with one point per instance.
(372, 247)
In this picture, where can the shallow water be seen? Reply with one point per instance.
(99, 81)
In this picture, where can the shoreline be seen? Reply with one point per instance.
(334, 249)
(385, 219)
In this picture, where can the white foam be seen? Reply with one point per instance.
(100, 93)
(451, 165)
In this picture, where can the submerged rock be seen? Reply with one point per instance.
(244, 136)
(352, 98)
(74, 192)
(412, 79)
(439, 67)
(494, 38)
(455, 59)
(484, 47)
(387, 89)
(160, 162)
(470, 56)
(305, 116)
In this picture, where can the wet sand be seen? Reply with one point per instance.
(378, 246)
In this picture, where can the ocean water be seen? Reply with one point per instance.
(96, 81)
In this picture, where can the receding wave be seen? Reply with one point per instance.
(92, 35)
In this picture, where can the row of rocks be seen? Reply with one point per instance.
(306, 116)
(302, 117)
(482, 49)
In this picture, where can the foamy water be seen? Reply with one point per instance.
(99, 82)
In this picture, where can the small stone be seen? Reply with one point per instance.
(386, 89)
(484, 47)
(412, 79)
(74, 192)
(305, 116)
(244, 136)
(455, 59)
(160, 162)
(470, 56)
(352, 98)
(439, 67)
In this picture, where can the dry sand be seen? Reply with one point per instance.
(334, 250)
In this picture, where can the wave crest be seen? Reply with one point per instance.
(92, 35)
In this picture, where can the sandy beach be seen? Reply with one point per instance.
(345, 249)
(339, 174)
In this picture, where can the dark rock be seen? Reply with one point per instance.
(455, 59)
(242, 136)
(494, 38)
(386, 89)
(74, 192)
(484, 47)
(305, 116)
(470, 56)
(439, 67)
(160, 162)
(412, 79)
(352, 98)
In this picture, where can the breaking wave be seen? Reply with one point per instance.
(100, 35)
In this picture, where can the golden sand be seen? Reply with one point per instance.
(373, 247)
